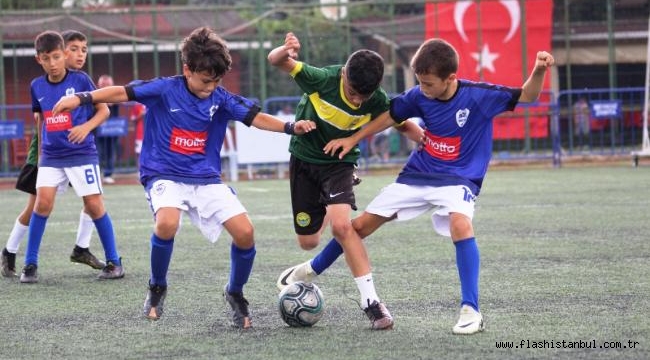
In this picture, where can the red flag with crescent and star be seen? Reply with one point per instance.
(488, 37)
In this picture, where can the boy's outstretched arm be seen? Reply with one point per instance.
(284, 56)
(264, 121)
(109, 94)
(533, 85)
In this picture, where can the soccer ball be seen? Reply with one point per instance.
(301, 304)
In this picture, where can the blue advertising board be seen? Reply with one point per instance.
(115, 126)
(12, 129)
(605, 109)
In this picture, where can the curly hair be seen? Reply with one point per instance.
(204, 50)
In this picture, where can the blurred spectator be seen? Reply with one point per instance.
(380, 145)
(137, 114)
(107, 145)
(285, 110)
(581, 121)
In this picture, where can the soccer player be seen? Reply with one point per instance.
(340, 99)
(67, 154)
(446, 173)
(76, 46)
(187, 116)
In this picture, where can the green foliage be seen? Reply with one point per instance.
(565, 257)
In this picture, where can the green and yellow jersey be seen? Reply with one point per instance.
(324, 103)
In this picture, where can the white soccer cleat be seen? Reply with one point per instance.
(302, 272)
(469, 322)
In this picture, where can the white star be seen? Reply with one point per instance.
(485, 59)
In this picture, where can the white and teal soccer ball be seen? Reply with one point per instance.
(301, 304)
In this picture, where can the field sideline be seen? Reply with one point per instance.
(565, 266)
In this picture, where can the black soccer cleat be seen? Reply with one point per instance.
(154, 302)
(240, 315)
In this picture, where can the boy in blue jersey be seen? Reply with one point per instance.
(77, 50)
(187, 117)
(67, 154)
(446, 173)
(340, 99)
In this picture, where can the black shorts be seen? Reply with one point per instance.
(27, 179)
(313, 187)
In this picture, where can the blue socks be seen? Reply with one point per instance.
(241, 265)
(468, 263)
(326, 257)
(161, 256)
(104, 227)
(36, 230)
(467, 260)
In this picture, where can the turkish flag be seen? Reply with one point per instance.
(488, 38)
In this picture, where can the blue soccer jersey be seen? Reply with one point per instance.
(183, 133)
(56, 150)
(458, 133)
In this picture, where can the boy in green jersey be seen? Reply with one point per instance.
(340, 99)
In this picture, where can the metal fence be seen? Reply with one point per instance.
(599, 46)
(586, 122)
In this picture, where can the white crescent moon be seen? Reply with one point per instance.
(515, 17)
(459, 13)
(511, 5)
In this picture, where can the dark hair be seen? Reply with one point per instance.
(48, 41)
(72, 35)
(436, 57)
(204, 50)
(364, 71)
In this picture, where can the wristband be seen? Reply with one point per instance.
(289, 128)
(85, 98)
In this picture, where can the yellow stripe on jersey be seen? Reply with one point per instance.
(296, 69)
(335, 116)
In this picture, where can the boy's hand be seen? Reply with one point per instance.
(344, 144)
(292, 45)
(304, 126)
(544, 60)
(66, 103)
(78, 134)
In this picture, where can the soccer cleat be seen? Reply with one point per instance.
(84, 256)
(302, 272)
(8, 264)
(240, 316)
(380, 318)
(111, 271)
(30, 274)
(153, 304)
(469, 322)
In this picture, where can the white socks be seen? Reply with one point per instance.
(367, 289)
(16, 236)
(85, 230)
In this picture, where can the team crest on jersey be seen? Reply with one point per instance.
(69, 91)
(159, 189)
(303, 219)
(461, 117)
